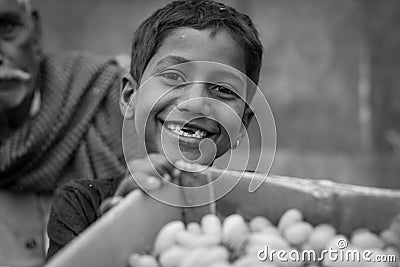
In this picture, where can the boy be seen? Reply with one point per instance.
(162, 93)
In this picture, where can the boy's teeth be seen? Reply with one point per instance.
(176, 128)
(201, 134)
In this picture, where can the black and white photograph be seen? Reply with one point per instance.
(199, 133)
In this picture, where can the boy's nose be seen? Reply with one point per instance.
(195, 99)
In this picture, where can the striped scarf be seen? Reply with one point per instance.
(65, 140)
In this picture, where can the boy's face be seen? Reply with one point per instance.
(182, 102)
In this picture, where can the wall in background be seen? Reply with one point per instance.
(312, 71)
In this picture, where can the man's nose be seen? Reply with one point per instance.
(196, 99)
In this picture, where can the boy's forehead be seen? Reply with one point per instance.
(203, 45)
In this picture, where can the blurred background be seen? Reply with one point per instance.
(331, 74)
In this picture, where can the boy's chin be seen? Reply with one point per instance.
(202, 153)
(190, 156)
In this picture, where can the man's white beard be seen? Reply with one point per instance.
(11, 99)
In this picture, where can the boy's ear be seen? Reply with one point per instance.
(248, 115)
(128, 87)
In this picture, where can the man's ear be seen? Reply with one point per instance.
(128, 87)
(248, 115)
(37, 32)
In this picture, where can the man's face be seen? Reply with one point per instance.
(192, 90)
(19, 53)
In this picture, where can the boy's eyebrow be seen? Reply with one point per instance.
(170, 61)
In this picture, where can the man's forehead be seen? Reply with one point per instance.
(25, 4)
(15, 5)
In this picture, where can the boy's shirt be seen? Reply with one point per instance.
(76, 208)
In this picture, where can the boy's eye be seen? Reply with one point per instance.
(173, 76)
(224, 90)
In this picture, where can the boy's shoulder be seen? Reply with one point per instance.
(84, 194)
(76, 207)
(94, 191)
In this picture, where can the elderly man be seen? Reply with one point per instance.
(59, 120)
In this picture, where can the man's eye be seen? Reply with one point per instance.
(173, 76)
(7, 29)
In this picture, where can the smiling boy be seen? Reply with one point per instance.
(187, 84)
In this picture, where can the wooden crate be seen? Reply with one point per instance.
(132, 225)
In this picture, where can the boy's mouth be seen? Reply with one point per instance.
(187, 130)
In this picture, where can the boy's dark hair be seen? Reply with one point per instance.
(197, 14)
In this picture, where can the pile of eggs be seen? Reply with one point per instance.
(292, 243)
